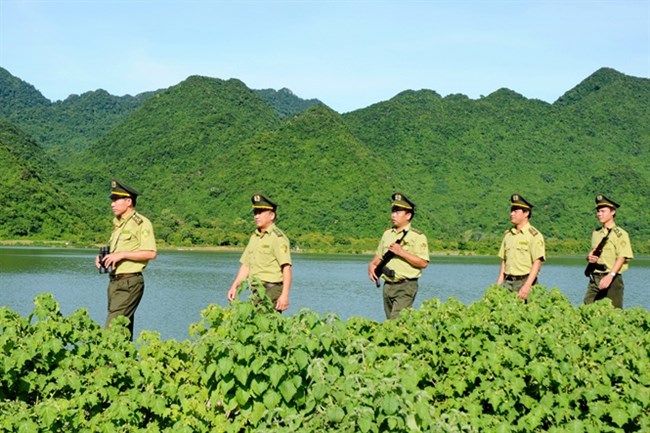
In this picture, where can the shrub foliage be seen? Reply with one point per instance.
(496, 365)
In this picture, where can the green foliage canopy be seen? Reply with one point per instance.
(496, 365)
(198, 150)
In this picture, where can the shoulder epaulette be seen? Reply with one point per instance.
(507, 231)
(618, 232)
(533, 231)
(278, 232)
(137, 219)
(416, 231)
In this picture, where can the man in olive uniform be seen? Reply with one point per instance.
(410, 255)
(522, 250)
(266, 256)
(131, 246)
(607, 280)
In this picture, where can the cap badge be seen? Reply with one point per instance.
(515, 197)
(398, 196)
(256, 198)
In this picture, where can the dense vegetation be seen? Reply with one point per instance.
(497, 365)
(34, 202)
(285, 103)
(199, 149)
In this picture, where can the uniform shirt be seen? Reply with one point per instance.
(132, 232)
(617, 245)
(265, 254)
(415, 242)
(520, 248)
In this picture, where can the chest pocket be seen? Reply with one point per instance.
(521, 247)
(128, 241)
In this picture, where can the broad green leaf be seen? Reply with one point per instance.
(241, 373)
(276, 372)
(620, 416)
(301, 357)
(318, 391)
(225, 366)
(335, 414)
(389, 404)
(271, 399)
(288, 390)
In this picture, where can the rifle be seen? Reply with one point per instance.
(388, 255)
(591, 267)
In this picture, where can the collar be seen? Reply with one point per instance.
(261, 233)
(407, 227)
(124, 218)
(514, 230)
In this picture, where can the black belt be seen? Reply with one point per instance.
(516, 277)
(401, 281)
(116, 277)
(269, 285)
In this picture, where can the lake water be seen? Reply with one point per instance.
(179, 284)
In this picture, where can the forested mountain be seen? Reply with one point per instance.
(468, 156)
(285, 103)
(198, 150)
(16, 95)
(32, 203)
(63, 127)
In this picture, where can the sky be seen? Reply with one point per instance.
(348, 54)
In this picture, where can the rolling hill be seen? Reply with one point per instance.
(199, 149)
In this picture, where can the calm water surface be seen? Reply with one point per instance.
(179, 284)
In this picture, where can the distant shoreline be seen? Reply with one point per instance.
(208, 248)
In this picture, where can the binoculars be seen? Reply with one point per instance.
(103, 252)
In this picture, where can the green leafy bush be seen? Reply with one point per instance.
(496, 365)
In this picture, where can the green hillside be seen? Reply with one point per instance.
(16, 95)
(285, 103)
(199, 149)
(32, 205)
(63, 127)
(469, 156)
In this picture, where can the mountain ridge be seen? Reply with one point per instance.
(199, 149)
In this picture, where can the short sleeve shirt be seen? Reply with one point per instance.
(520, 248)
(617, 245)
(132, 232)
(415, 242)
(267, 251)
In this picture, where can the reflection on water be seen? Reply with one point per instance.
(179, 284)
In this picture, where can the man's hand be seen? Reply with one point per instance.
(282, 303)
(371, 272)
(605, 282)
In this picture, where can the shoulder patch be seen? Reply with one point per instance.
(137, 219)
(533, 231)
(278, 232)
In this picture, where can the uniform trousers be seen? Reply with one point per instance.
(398, 296)
(516, 284)
(272, 290)
(613, 292)
(124, 296)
